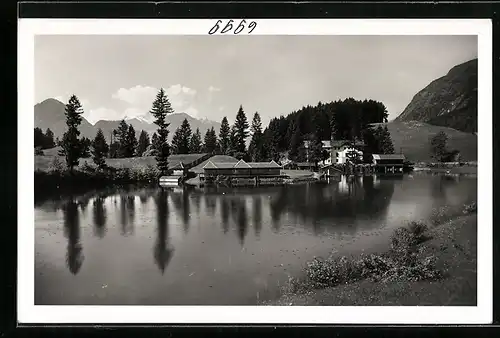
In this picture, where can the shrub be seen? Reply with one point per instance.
(470, 208)
(56, 166)
(418, 230)
(38, 151)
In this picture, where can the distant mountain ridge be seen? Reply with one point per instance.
(50, 114)
(449, 101)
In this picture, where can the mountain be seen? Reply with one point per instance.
(412, 138)
(175, 121)
(50, 114)
(450, 101)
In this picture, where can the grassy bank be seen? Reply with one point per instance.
(452, 168)
(55, 178)
(431, 263)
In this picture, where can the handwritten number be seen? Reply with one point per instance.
(252, 26)
(212, 31)
(229, 26)
(240, 27)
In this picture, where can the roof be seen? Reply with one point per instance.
(177, 166)
(198, 169)
(175, 160)
(305, 164)
(388, 156)
(240, 165)
(271, 164)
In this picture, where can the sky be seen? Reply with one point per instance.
(209, 77)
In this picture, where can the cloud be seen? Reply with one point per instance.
(140, 99)
(102, 113)
(213, 89)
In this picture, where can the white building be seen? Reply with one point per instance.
(340, 149)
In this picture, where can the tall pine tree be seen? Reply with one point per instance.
(241, 128)
(71, 147)
(256, 147)
(195, 142)
(143, 143)
(224, 134)
(100, 149)
(162, 107)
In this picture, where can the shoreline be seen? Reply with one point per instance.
(453, 246)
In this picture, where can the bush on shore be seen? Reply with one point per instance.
(402, 262)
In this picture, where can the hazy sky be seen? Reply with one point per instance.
(210, 76)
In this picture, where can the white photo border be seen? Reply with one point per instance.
(29, 313)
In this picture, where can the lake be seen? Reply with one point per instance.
(218, 246)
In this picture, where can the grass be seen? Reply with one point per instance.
(413, 139)
(44, 162)
(425, 264)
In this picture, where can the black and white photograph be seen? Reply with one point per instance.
(264, 170)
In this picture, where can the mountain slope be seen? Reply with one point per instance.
(412, 138)
(50, 114)
(450, 101)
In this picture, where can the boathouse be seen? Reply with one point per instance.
(242, 172)
(388, 162)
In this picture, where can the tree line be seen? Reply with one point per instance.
(349, 120)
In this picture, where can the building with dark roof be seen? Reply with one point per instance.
(389, 162)
(257, 172)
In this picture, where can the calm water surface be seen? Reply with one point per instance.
(220, 246)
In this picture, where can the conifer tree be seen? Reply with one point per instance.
(100, 149)
(143, 143)
(131, 142)
(195, 142)
(224, 134)
(241, 128)
(71, 147)
(49, 139)
(121, 136)
(210, 141)
(183, 138)
(161, 108)
(256, 147)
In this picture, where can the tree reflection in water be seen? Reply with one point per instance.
(163, 251)
(328, 204)
(257, 214)
(99, 216)
(74, 253)
(225, 210)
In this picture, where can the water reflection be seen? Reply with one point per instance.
(225, 210)
(162, 250)
(127, 214)
(180, 200)
(241, 220)
(257, 214)
(74, 252)
(99, 216)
